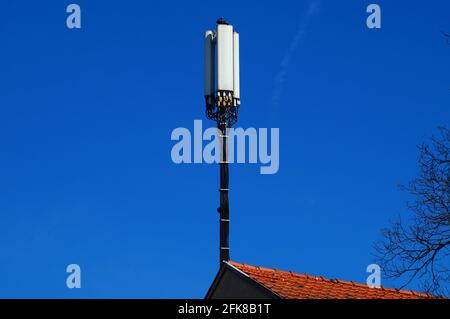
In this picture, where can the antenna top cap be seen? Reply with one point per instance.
(222, 21)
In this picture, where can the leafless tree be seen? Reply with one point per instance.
(419, 249)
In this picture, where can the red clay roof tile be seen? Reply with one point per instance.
(290, 285)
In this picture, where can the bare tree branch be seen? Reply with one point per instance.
(420, 249)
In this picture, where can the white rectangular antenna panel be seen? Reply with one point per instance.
(236, 83)
(209, 64)
(225, 57)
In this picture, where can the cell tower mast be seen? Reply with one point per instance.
(222, 96)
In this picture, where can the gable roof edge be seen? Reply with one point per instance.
(226, 265)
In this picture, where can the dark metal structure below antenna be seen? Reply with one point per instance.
(225, 114)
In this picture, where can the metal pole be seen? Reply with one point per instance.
(223, 210)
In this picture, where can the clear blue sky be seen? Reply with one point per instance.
(86, 115)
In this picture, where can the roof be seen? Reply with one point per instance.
(290, 285)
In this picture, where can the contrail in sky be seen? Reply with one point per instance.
(313, 9)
